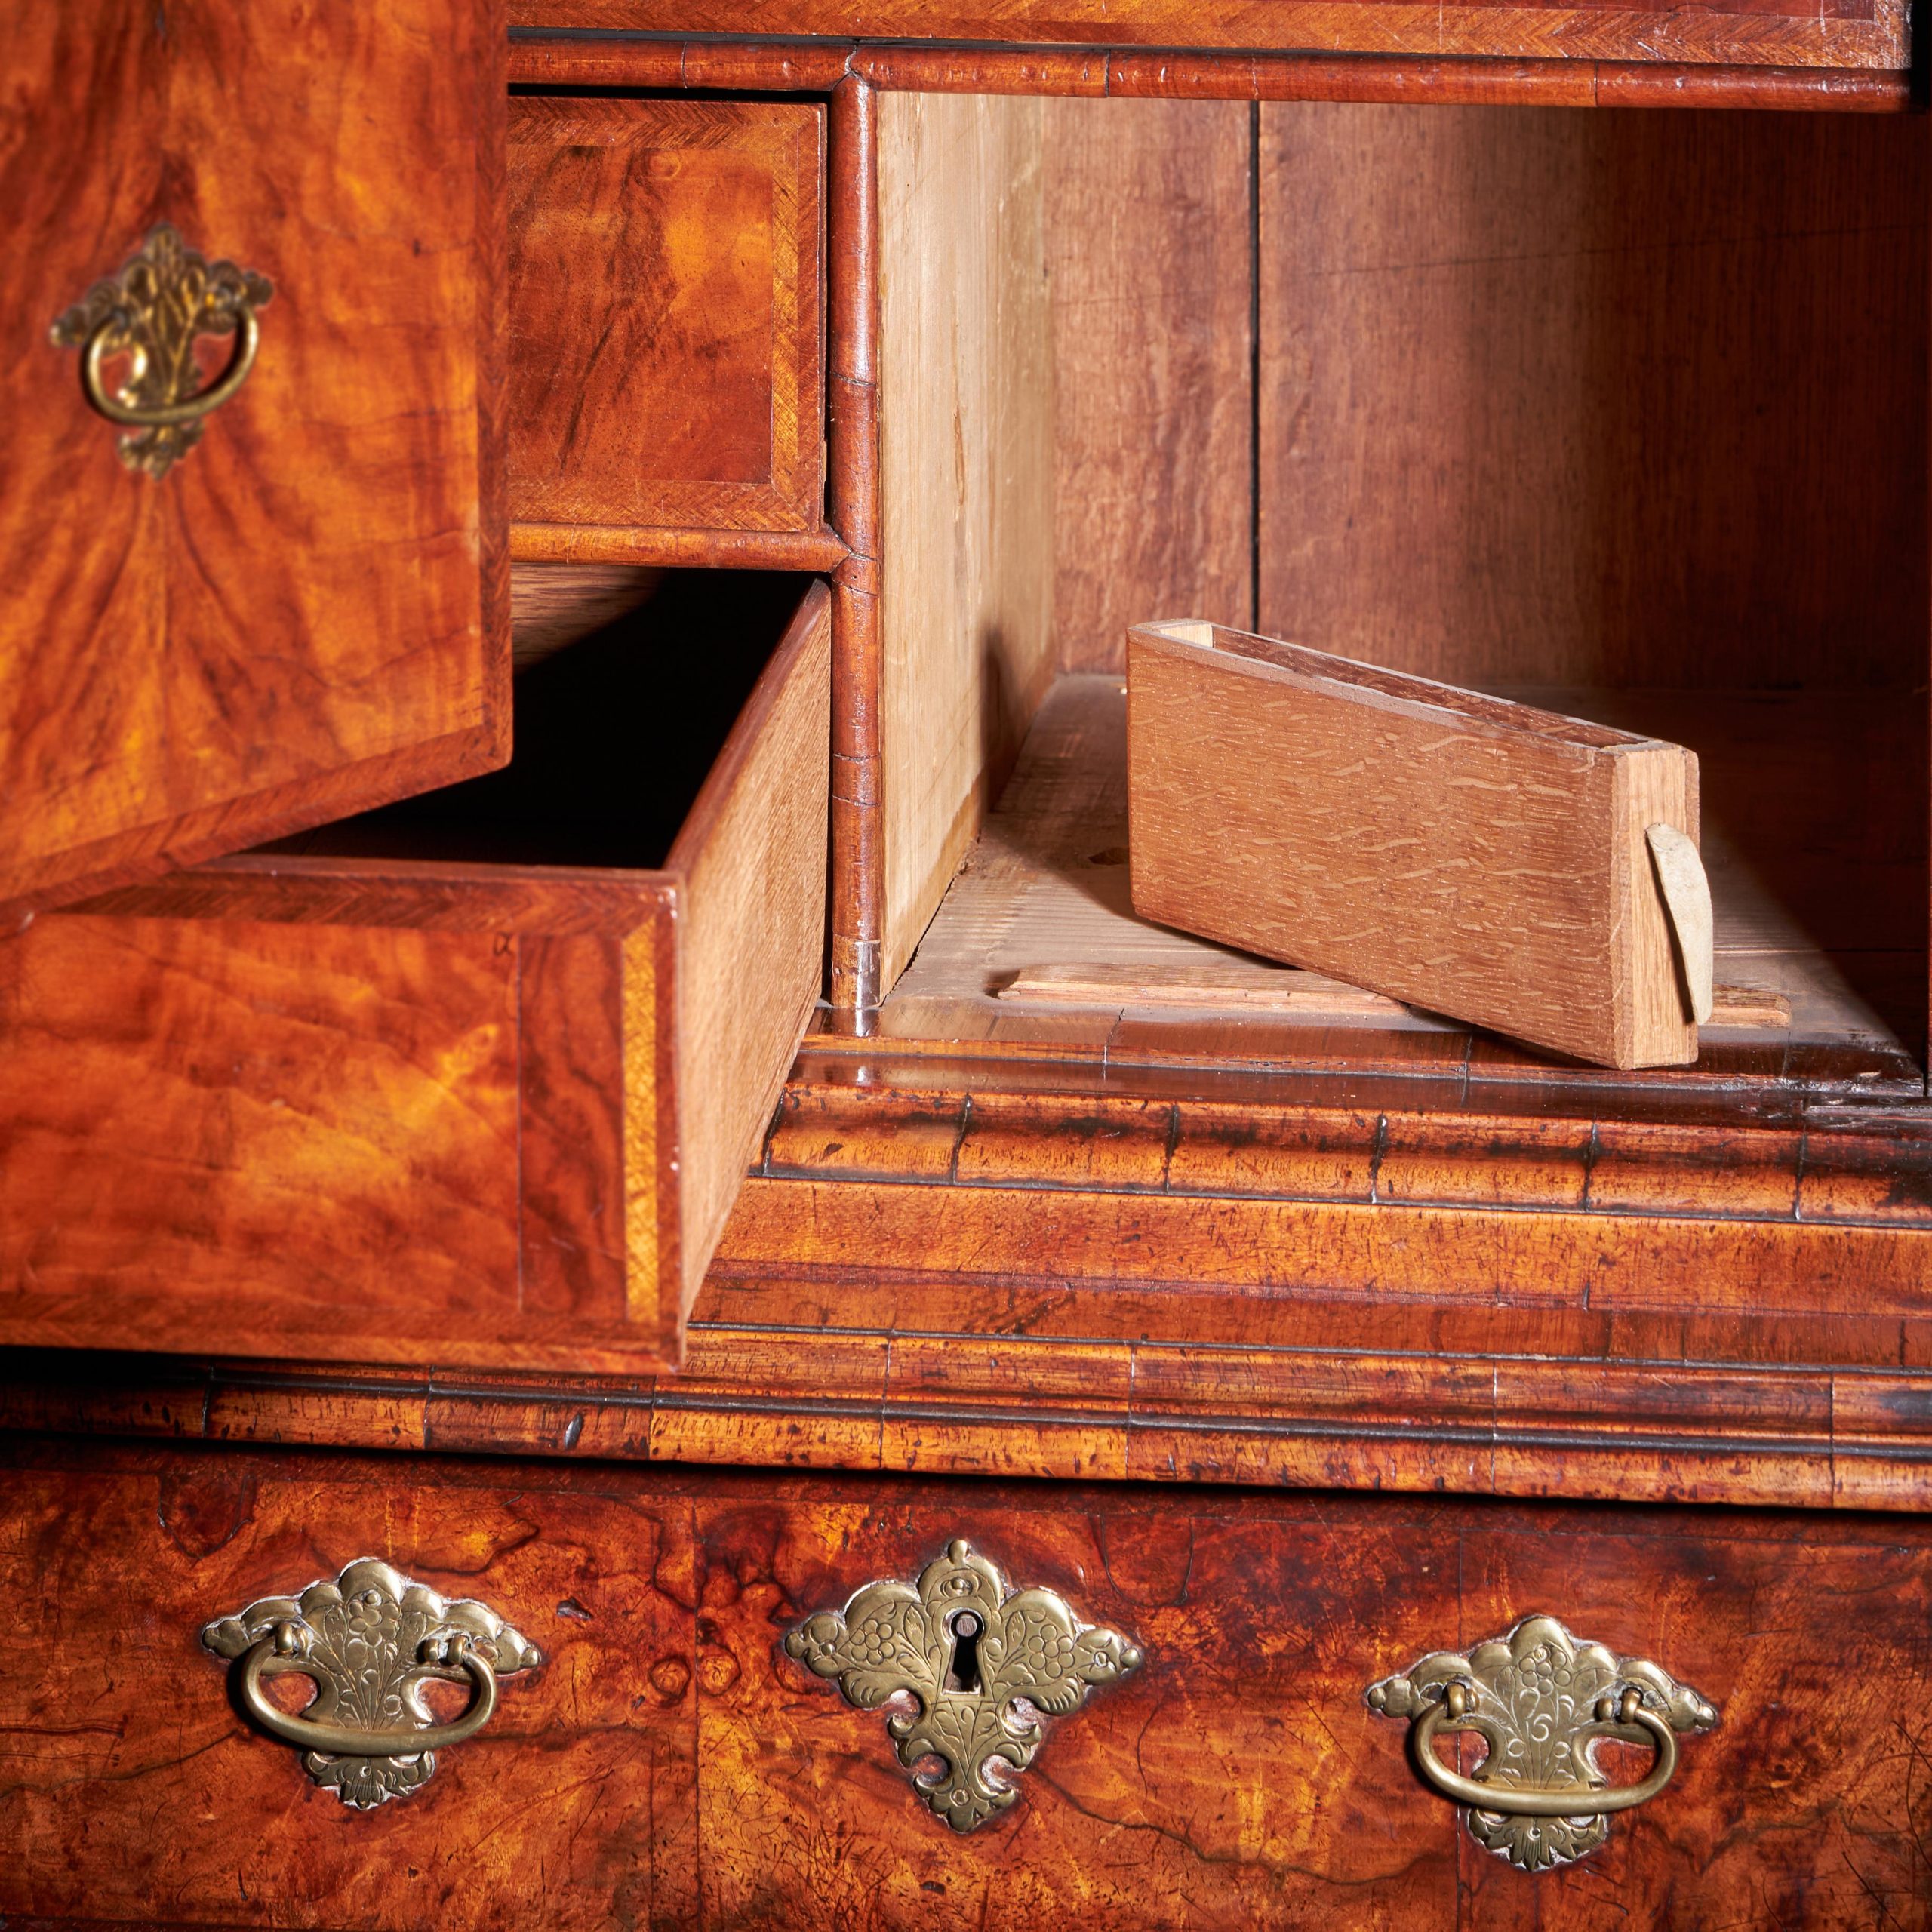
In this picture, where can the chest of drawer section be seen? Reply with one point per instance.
(746, 1699)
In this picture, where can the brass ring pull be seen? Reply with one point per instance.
(369, 1641)
(108, 338)
(269, 1659)
(1542, 1700)
(1512, 1801)
(165, 297)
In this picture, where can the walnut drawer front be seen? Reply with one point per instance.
(249, 409)
(666, 320)
(669, 1764)
(394, 1109)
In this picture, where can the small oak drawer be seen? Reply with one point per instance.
(472, 1079)
(662, 1751)
(666, 320)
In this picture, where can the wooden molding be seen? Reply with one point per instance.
(540, 58)
(1111, 1286)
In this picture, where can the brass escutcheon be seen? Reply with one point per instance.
(152, 312)
(370, 1640)
(982, 1663)
(1542, 1701)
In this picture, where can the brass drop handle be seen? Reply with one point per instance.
(109, 338)
(165, 296)
(1624, 1714)
(454, 1660)
(1542, 1700)
(369, 1641)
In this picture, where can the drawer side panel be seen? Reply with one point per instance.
(751, 945)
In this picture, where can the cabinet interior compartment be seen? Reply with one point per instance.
(628, 682)
(1622, 413)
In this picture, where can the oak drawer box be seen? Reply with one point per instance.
(1478, 857)
(667, 1760)
(666, 346)
(360, 1104)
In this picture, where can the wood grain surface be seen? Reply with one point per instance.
(1811, 836)
(858, 882)
(668, 1765)
(593, 546)
(554, 605)
(135, 1791)
(564, 59)
(313, 1134)
(1846, 33)
(966, 479)
(380, 1107)
(1149, 259)
(166, 697)
(751, 865)
(1476, 858)
(955, 1266)
(1567, 399)
(667, 324)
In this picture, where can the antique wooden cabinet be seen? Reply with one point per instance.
(597, 1178)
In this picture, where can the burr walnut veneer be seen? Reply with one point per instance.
(668, 1765)
(749, 1147)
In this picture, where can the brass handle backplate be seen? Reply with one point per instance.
(152, 312)
(1542, 1701)
(981, 1661)
(370, 1640)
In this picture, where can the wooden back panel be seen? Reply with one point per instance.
(1632, 399)
(1544, 396)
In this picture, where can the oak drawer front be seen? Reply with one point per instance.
(375, 1110)
(669, 1760)
(263, 441)
(666, 319)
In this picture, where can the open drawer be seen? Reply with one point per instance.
(406, 1093)
(250, 408)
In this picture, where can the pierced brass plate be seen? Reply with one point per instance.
(982, 1663)
(1542, 1700)
(370, 1641)
(151, 312)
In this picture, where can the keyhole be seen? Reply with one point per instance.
(964, 1673)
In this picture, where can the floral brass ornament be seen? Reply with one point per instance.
(982, 1662)
(152, 312)
(370, 1640)
(1542, 1700)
